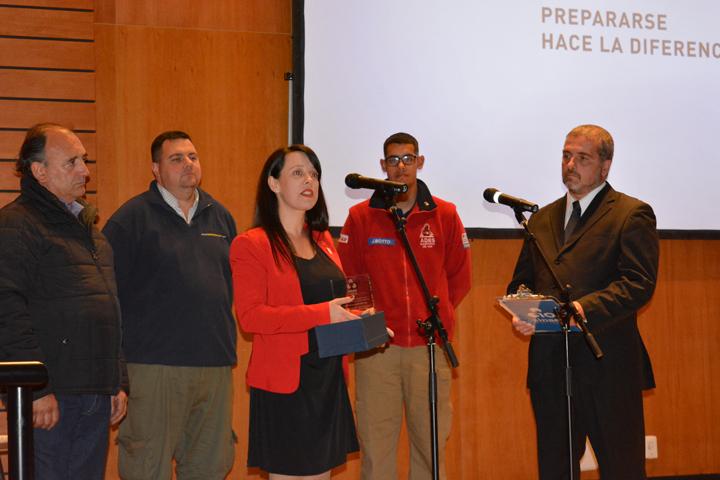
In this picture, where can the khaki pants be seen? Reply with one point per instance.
(388, 381)
(183, 413)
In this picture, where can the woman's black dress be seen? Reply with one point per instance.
(311, 430)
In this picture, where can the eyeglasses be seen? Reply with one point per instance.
(407, 159)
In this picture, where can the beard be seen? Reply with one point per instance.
(571, 180)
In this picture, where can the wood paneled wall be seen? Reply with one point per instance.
(135, 68)
(493, 430)
(682, 332)
(47, 73)
(214, 69)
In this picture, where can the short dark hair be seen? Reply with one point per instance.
(401, 138)
(32, 149)
(157, 144)
(266, 203)
(603, 139)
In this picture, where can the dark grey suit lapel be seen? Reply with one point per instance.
(557, 222)
(599, 207)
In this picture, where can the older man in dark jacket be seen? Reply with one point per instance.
(58, 305)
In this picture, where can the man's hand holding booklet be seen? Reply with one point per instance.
(533, 313)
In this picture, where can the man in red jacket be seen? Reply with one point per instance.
(396, 378)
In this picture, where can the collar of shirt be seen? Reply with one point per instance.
(175, 205)
(584, 202)
(74, 207)
(423, 201)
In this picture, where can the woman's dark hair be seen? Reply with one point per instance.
(266, 204)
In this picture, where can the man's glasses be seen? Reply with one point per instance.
(407, 159)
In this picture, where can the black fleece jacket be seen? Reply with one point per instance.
(174, 281)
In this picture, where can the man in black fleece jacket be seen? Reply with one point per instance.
(171, 248)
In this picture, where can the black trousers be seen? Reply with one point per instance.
(609, 412)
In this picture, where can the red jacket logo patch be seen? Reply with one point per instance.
(427, 237)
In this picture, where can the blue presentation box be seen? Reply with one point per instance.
(351, 336)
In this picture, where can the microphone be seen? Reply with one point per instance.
(355, 180)
(493, 195)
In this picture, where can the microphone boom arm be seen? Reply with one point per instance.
(568, 309)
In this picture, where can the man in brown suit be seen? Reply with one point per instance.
(607, 250)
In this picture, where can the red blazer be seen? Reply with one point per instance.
(269, 305)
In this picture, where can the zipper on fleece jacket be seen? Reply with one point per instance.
(407, 296)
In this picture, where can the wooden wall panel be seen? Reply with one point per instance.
(8, 180)
(88, 140)
(218, 73)
(37, 82)
(44, 80)
(263, 16)
(683, 337)
(10, 141)
(226, 89)
(68, 4)
(235, 110)
(493, 430)
(30, 22)
(493, 434)
(24, 114)
(224, 86)
(57, 54)
(47, 84)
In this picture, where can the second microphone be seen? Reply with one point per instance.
(355, 180)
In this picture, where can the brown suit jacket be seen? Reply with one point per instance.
(611, 263)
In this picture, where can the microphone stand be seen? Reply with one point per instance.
(565, 312)
(429, 326)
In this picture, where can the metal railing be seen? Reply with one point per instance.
(18, 379)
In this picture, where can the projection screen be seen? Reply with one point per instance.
(490, 89)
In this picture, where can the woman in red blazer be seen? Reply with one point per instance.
(286, 273)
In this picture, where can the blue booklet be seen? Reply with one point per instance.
(538, 310)
(351, 336)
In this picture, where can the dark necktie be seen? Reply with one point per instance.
(574, 219)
